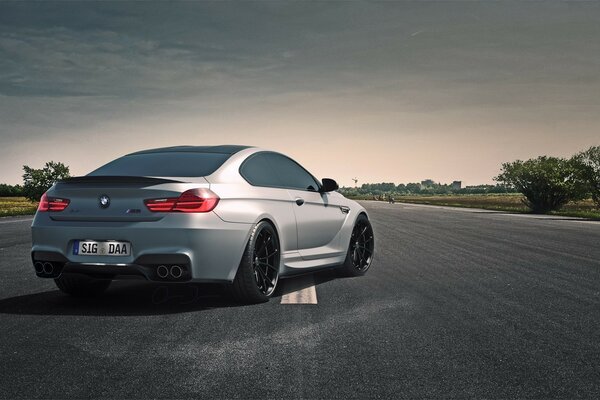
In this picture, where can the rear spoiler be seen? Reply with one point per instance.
(144, 180)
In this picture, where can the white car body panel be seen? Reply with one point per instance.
(312, 235)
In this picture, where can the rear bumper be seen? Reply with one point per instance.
(207, 248)
(52, 265)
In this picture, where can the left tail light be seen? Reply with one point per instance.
(52, 204)
(191, 201)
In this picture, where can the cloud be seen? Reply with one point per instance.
(269, 72)
(62, 62)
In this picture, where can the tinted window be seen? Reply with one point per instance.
(291, 174)
(257, 171)
(276, 170)
(184, 164)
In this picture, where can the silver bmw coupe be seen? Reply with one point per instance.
(238, 215)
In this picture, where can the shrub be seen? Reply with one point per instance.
(588, 166)
(548, 183)
(37, 181)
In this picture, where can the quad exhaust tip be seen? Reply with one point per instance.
(169, 272)
(43, 267)
(39, 267)
(162, 271)
(48, 268)
(176, 271)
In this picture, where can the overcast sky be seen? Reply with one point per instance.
(394, 92)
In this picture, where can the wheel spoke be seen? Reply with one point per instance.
(366, 249)
(365, 259)
(269, 280)
(257, 278)
(264, 279)
(364, 231)
(269, 255)
(361, 245)
(267, 265)
(274, 268)
(362, 257)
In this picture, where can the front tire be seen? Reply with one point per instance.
(361, 248)
(258, 273)
(81, 285)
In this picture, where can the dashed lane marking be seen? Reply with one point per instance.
(300, 290)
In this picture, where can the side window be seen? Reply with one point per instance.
(257, 171)
(291, 175)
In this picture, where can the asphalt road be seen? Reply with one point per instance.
(458, 303)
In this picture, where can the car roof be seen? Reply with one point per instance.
(220, 149)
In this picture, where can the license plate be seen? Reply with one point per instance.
(101, 248)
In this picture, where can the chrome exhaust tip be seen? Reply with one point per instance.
(162, 271)
(39, 267)
(48, 268)
(176, 271)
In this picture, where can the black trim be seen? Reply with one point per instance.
(328, 185)
(95, 179)
(100, 218)
(222, 149)
(48, 256)
(163, 259)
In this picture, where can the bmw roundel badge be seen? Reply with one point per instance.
(104, 201)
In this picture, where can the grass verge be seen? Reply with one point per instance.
(11, 206)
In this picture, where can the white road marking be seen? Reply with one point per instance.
(301, 290)
(502, 213)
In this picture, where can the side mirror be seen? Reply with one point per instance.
(328, 185)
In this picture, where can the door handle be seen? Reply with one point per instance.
(299, 201)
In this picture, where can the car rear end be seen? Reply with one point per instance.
(150, 215)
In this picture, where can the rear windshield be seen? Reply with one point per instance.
(184, 164)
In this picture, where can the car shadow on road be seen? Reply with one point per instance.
(140, 298)
(299, 282)
(125, 298)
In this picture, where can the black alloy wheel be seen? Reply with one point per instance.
(258, 273)
(266, 261)
(361, 249)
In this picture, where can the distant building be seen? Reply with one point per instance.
(427, 183)
(456, 185)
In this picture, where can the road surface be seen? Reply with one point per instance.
(458, 303)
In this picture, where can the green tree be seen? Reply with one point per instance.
(10, 190)
(588, 165)
(413, 188)
(37, 181)
(548, 183)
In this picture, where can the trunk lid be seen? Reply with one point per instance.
(124, 197)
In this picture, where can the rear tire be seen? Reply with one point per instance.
(361, 248)
(81, 285)
(258, 273)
